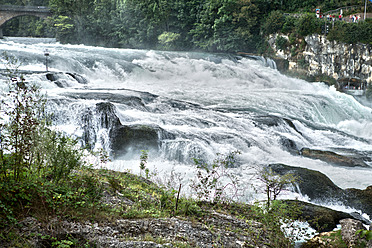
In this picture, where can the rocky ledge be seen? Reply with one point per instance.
(216, 230)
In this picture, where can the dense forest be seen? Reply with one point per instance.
(206, 25)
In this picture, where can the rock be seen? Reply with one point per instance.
(62, 79)
(330, 58)
(321, 241)
(135, 138)
(281, 64)
(79, 78)
(289, 145)
(216, 230)
(320, 218)
(360, 199)
(333, 158)
(107, 115)
(349, 227)
(318, 187)
(312, 183)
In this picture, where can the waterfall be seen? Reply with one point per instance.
(186, 105)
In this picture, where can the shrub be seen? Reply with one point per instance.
(274, 22)
(308, 24)
(281, 43)
(168, 39)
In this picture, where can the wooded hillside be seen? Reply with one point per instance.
(205, 25)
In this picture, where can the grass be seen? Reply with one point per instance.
(101, 196)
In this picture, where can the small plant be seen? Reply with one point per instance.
(274, 183)
(144, 156)
(213, 181)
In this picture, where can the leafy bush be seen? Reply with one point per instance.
(274, 22)
(308, 24)
(289, 25)
(281, 43)
(169, 40)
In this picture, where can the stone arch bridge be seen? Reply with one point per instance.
(8, 12)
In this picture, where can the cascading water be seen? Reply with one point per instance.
(193, 105)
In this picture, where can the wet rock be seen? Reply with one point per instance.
(289, 145)
(79, 78)
(107, 115)
(312, 183)
(132, 101)
(360, 199)
(319, 187)
(62, 79)
(320, 218)
(333, 158)
(136, 137)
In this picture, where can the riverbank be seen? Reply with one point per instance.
(131, 211)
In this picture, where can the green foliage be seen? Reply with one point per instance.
(281, 43)
(274, 22)
(352, 32)
(367, 234)
(168, 40)
(278, 215)
(38, 166)
(143, 161)
(308, 24)
(274, 183)
(289, 25)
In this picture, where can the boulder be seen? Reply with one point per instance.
(349, 228)
(333, 158)
(319, 187)
(360, 199)
(320, 218)
(314, 184)
(125, 138)
(62, 79)
(107, 115)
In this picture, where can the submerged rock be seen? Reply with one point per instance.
(333, 158)
(62, 79)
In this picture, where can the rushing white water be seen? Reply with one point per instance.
(209, 103)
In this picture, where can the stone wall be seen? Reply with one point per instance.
(320, 56)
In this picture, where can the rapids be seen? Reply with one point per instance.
(209, 103)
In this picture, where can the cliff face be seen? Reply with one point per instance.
(320, 56)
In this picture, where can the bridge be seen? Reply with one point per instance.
(8, 12)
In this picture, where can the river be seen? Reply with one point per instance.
(206, 103)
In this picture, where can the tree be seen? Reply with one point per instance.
(274, 184)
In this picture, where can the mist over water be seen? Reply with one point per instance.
(210, 103)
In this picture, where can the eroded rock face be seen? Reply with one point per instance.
(335, 59)
(136, 137)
